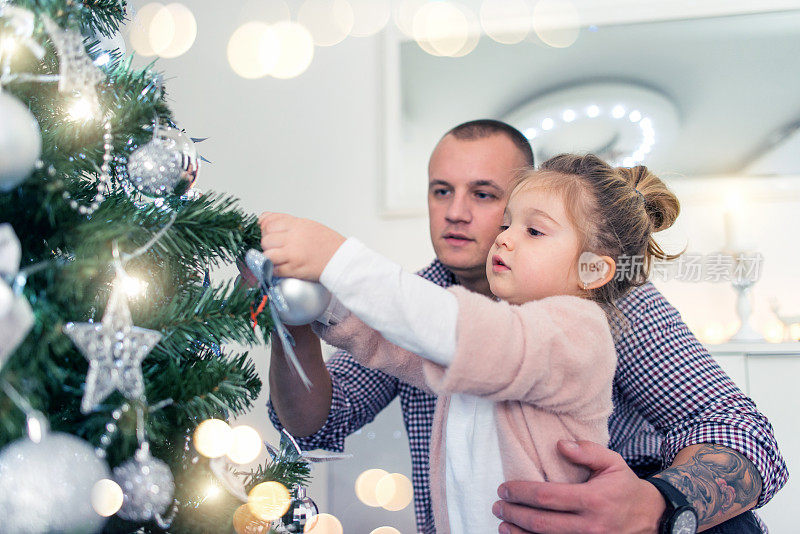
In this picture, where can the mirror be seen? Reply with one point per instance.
(710, 96)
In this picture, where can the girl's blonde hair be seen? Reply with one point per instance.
(616, 211)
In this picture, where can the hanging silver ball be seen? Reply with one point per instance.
(298, 301)
(167, 164)
(147, 486)
(305, 301)
(301, 511)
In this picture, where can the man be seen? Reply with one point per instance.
(673, 405)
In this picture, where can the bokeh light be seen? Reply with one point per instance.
(212, 438)
(293, 49)
(794, 331)
(324, 524)
(774, 331)
(394, 492)
(244, 522)
(473, 32)
(506, 21)
(245, 444)
(328, 21)
(441, 28)
(245, 50)
(556, 22)
(140, 29)
(404, 13)
(184, 30)
(385, 530)
(369, 16)
(713, 334)
(269, 500)
(162, 30)
(366, 484)
(106, 497)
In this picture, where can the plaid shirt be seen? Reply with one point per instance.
(668, 394)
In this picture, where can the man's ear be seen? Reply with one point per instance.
(595, 271)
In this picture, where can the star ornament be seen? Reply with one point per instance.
(115, 350)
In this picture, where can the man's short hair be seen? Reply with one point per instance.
(481, 128)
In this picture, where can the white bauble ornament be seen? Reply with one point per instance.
(147, 486)
(166, 165)
(20, 141)
(47, 486)
(305, 301)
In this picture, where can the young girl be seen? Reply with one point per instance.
(513, 376)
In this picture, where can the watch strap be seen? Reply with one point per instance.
(675, 500)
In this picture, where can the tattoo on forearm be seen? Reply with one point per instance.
(716, 480)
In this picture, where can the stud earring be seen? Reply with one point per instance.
(584, 286)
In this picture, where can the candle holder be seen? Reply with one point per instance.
(745, 273)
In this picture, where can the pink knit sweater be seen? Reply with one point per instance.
(548, 365)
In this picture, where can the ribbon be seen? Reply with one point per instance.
(289, 447)
(261, 267)
(254, 313)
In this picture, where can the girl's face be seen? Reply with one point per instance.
(536, 254)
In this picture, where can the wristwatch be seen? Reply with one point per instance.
(680, 517)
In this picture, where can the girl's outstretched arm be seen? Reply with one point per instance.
(407, 310)
(556, 353)
(369, 348)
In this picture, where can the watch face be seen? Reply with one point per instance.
(685, 523)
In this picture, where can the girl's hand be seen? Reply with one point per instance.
(298, 248)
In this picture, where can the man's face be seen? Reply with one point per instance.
(468, 181)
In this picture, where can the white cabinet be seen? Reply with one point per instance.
(769, 373)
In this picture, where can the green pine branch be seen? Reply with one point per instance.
(91, 16)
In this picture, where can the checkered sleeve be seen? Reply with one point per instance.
(678, 387)
(359, 394)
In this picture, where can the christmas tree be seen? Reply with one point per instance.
(111, 332)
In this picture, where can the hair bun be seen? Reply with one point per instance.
(661, 204)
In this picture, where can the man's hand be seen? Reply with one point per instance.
(298, 248)
(614, 499)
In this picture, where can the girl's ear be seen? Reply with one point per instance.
(595, 271)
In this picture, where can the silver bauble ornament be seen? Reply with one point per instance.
(166, 165)
(301, 511)
(147, 486)
(297, 302)
(305, 301)
(20, 141)
(47, 486)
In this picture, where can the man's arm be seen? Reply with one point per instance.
(719, 482)
(356, 395)
(301, 411)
